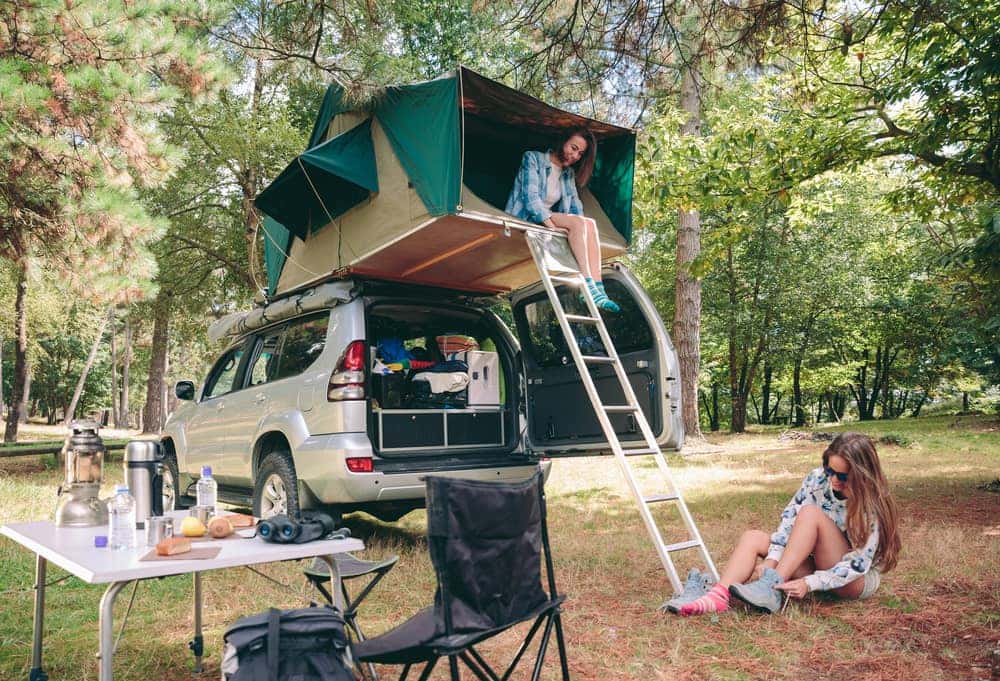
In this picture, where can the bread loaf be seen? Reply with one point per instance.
(173, 545)
(241, 520)
(220, 527)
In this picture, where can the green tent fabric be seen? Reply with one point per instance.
(612, 181)
(422, 124)
(277, 242)
(323, 183)
(277, 239)
(333, 104)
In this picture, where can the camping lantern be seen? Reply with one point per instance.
(83, 452)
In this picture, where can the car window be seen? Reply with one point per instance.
(303, 342)
(265, 362)
(223, 374)
(628, 329)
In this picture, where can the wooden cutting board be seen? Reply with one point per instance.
(200, 553)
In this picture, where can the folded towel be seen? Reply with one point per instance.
(444, 382)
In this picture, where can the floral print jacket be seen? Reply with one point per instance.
(817, 491)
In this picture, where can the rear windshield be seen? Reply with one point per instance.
(628, 329)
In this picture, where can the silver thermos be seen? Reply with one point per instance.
(144, 477)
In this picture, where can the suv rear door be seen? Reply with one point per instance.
(561, 419)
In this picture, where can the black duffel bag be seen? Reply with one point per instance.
(307, 644)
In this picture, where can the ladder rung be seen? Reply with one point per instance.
(572, 281)
(598, 359)
(581, 318)
(645, 451)
(680, 546)
(620, 408)
(655, 498)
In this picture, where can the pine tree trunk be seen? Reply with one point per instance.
(714, 425)
(686, 328)
(165, 403)
(765, 411)
(1, 379)
(115, 404)
(22, 409)
(71, 409)
(799, 417)
(153, 409)
(19, 389)
(123, 408)
(738, 422)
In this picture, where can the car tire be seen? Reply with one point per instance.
(276, 489)
(173, 499)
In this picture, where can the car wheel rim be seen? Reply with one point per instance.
(274, 499)
(169, 493)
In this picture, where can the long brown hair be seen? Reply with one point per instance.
(583, 168)
(870, 500)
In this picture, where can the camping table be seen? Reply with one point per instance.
(73, 550)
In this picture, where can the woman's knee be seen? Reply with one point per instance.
(757, 539)
(812, 513)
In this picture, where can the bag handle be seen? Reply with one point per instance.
(273, 633)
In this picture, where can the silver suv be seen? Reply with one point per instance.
(293, 415)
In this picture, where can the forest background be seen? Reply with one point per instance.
(817, 206)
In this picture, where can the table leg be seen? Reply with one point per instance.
(37, 673)
(106, 624)
(336, 588)
(197, 644)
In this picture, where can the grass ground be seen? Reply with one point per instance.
(936, 617)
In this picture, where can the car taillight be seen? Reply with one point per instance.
(359, 464)
(347, 382)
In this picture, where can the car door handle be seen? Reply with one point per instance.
(259, 397)
(220, 406)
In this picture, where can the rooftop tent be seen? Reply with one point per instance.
(323, 183)
(445, 153)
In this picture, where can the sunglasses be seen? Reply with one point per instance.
(830, 473)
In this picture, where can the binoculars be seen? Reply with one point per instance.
(283, 529)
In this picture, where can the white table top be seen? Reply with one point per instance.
(73, 550)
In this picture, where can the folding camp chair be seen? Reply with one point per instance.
(351, 567)
(486, 541)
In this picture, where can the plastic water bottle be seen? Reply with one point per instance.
(121, 520)
(208, 490)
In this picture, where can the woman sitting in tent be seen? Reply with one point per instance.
(545, 192)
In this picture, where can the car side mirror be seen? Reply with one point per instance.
(184, 390)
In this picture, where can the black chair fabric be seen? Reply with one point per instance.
(486, 544)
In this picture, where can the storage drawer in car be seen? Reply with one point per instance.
(475, 428)
(409, 430)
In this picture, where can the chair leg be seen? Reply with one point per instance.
(428, 668)
(561, 643)
(453, 666)
(543, 645)
(474, 661)
(523, 647)
(405, 672)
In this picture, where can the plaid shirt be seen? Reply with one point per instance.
(527, 198)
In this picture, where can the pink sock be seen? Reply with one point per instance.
(716, 600)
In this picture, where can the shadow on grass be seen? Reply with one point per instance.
(370, 529)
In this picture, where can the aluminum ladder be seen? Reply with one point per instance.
(556, 265)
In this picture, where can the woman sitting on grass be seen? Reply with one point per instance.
(546, 192)
(838, 533)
